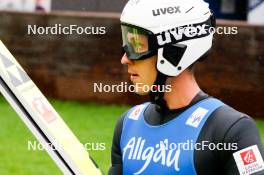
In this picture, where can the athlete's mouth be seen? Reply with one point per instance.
(133, 75)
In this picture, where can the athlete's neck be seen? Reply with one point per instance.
(184, 89)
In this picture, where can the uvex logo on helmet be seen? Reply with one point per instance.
(183, 33)
(166, 10)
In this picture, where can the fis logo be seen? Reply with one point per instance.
(196, 118)
(166, 10)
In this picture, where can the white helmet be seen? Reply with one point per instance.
(178, 31)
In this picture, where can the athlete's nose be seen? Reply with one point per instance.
(126, 60)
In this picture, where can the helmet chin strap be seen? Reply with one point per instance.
(158, 96)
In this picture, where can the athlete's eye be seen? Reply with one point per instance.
(138, 42)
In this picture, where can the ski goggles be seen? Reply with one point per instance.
(136, 42)
(139, 43)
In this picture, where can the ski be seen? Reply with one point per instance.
(42, 119)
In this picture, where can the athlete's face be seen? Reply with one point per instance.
(142, 72)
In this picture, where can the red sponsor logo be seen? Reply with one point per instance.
(248, 157)
(43, 110)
